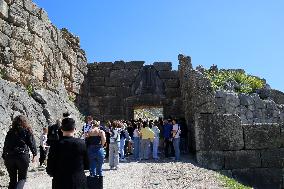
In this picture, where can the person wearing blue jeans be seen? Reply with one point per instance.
(176, 139)
(136, 140)
(95, 140)
(96, 157)
(156, 130)
(176, 142)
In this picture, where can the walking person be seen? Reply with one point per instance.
(95, 141)
(167, 128)
(54, 133)
(18, 141)
(124, 136)
(147, 135)
(156, 131)
(176, 139)
(68, 159)
(114, 145)
(87, 126)
(43, 146)
(136, 140)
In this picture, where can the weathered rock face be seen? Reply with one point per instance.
(15, 100)
(36, 56)
(113, 90)
(34, 52)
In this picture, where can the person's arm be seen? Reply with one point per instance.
(31, 144)
(103, 137)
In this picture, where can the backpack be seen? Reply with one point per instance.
(53, 133)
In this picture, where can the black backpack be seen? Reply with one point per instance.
(53, 133)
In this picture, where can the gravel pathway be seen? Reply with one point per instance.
(162, 174)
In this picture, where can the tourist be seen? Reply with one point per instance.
(124, 136)
(167, 128)
(114, 145)
(136, 140)
(95, 141)
(67, 159)
(107, 133)
(176, 139)
(129, 148)
(87, 126)
(156, 131)
(43, 146)
(54, 133)
(147, 135)
(18, 141)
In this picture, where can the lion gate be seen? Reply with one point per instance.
(113, 90)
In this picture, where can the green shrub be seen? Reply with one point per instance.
(72, 98)
(2, 73)
(232, 184)
(30, 89)
(246, 83)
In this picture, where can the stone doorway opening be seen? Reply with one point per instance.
(148, 112)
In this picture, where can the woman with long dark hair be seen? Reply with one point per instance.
(18, 141)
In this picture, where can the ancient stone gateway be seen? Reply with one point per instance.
(114, 90)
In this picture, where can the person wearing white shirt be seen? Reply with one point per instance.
(87, 126)
(176, 139)
(156, 131)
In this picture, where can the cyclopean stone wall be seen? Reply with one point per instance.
(113, 90)
(239, 134)
(34, 52)
(41, 67)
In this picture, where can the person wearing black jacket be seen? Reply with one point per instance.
(67, 159)
(18, 141)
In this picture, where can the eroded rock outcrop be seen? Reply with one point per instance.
(41, 67)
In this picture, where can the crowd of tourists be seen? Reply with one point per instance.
(66, 155)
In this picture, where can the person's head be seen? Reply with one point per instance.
(165, 121)
(96, 124)
(58, 122)
(45, 130)
(89, 119)
(145, 124)
(66, 114)
(170, 121)
(174, 121)
(21, 122)
(68, 126)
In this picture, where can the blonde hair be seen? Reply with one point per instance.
(96, 123)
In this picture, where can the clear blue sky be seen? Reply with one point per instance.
(246, 34)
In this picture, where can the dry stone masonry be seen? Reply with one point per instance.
(113, 90)
(240, 134)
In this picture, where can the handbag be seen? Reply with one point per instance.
(95, 182)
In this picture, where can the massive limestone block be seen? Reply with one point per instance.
(3, 9)
(242, 159)
(134, 65)
(210, 159)
(273, 158)
(262, 136)
(163, 66)
(218, 132)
